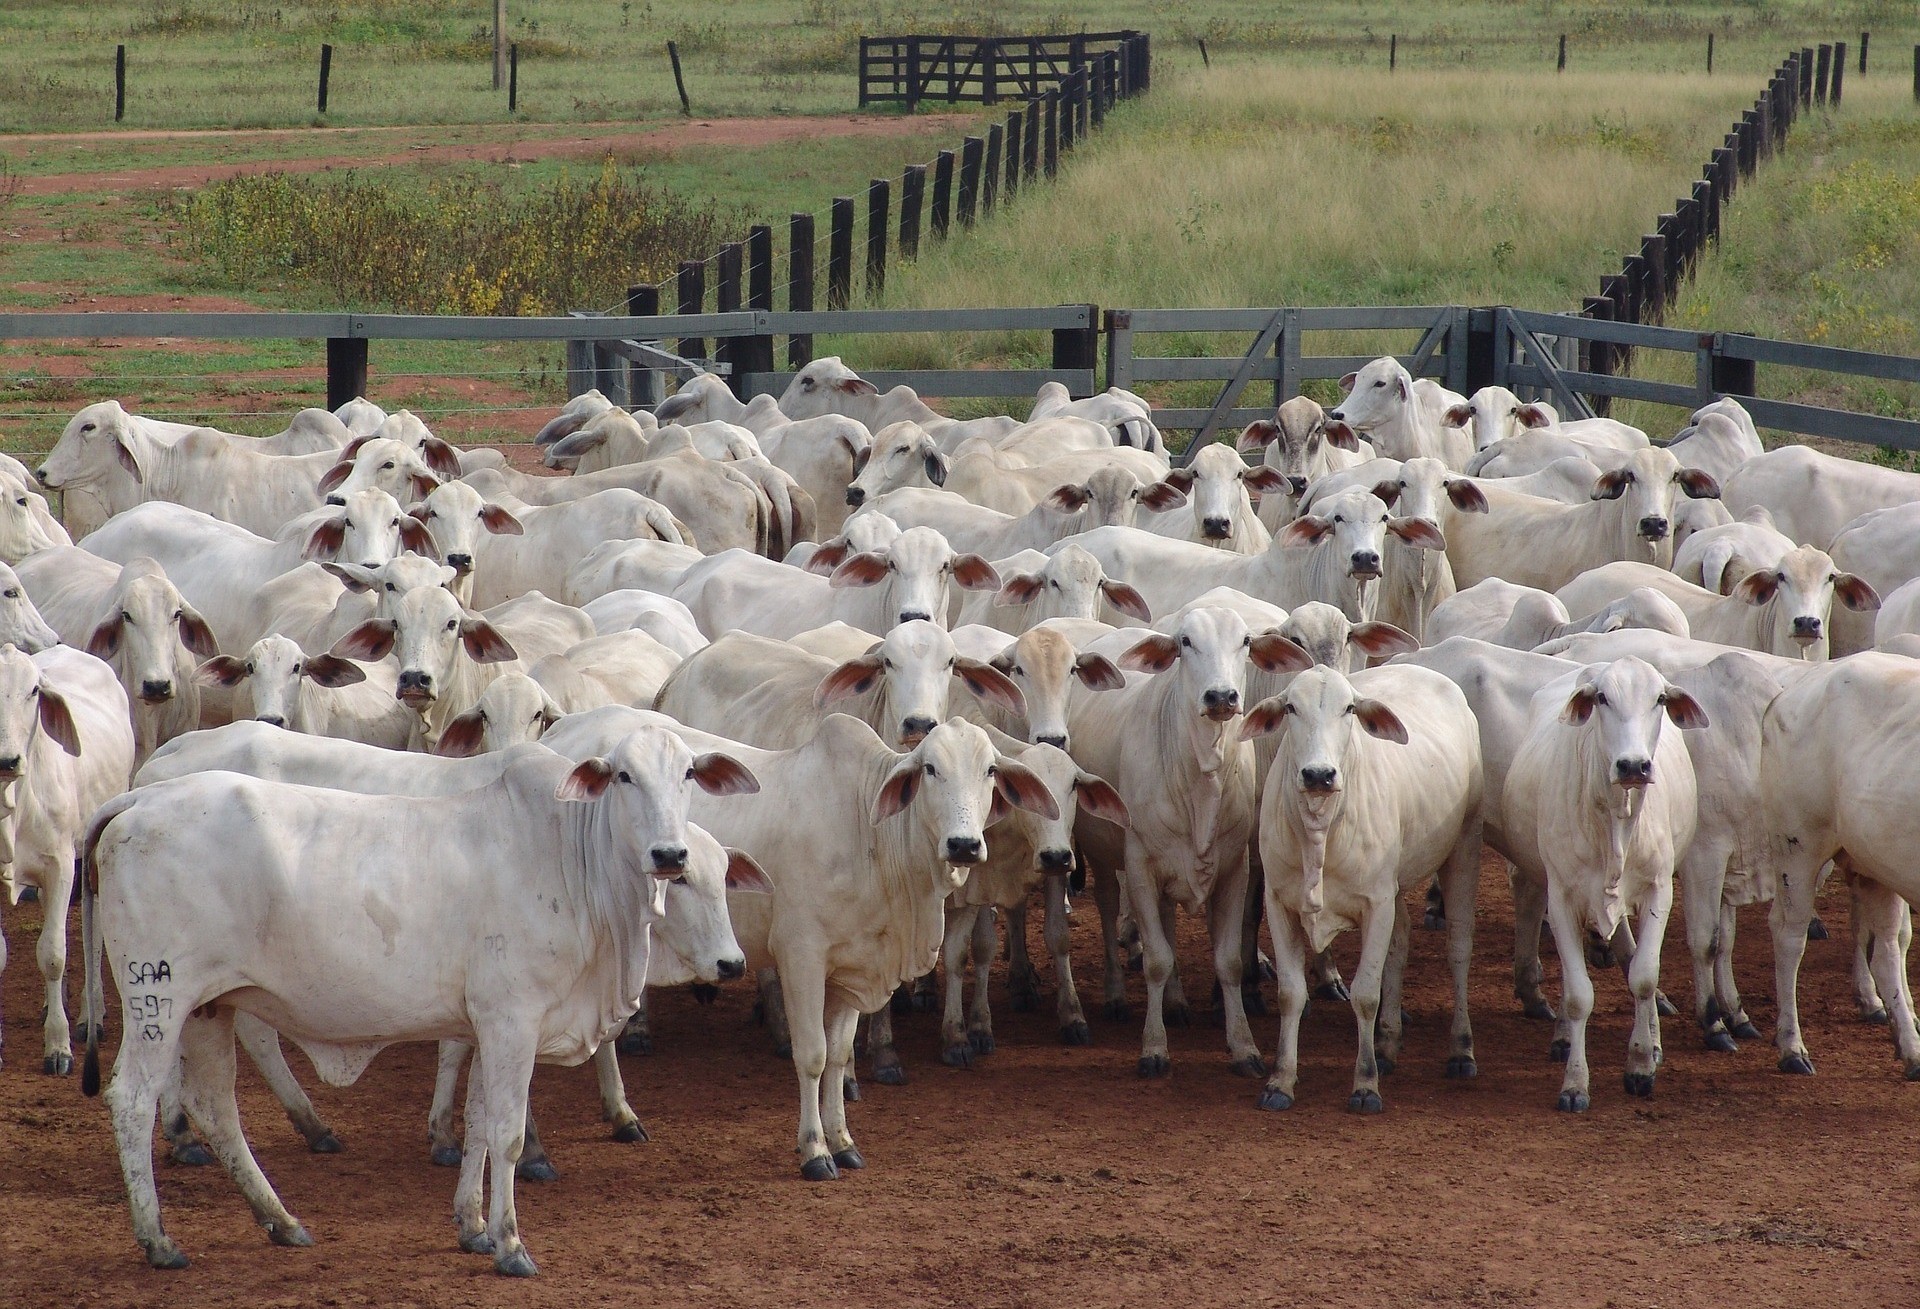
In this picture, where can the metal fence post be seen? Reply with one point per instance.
(1731, 376)
(1120, 348)
(1078, 347)
(800, 285)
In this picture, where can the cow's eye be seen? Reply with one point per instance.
(1599, 697)
(13, 593)
(387, 465)
(125, 617)
(930, 772)
(452, 623)
(22, 502)
(1186, 643)
(87, 427)
(624, 777)
(1380, 383)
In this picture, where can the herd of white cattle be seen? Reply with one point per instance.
(350, 737)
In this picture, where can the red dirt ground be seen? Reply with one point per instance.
(1052, 1176)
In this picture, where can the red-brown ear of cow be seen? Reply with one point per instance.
(1856, 592)
(222, 670)
(1534, 416)
(1683, 709)
(1698, 484)
(1379, 640)
(1264, 719)
(989, 685)
(484, 644)
(196, 635)
(1097, 673)
(1257, 435)
(828, 557)
(1579, 706)
(1417, 532)
(1342, 435)
(589, 780)
(975, 574)
(1152, 654)
(1162, 497)
(1097, 797)
(1466, 496)
(326, 539)
(1380, 721)
(1022, 788)
(501, 523)
(127, 461)
(423, 485)
(442, 458)
(1018, 590)
(863, 569)
(896, 793)
(1264, 480)
(1347, 380)
(357, 585)
(1611, 486)
(461, 737)
(856, 386)
(1457, 415)
(1274, 653)
(855, 677)
(1387, 493)
(1127, 600)
(1068, 498)
(1180, 479)
(1757, 588)
(720, 774)
(56, 720)
(1306, 531)
(352, 448)
(371, 640)
(105, 639)
(414, 536)
(860, 458)
(331, 479)
(326, 670)
(746, 876)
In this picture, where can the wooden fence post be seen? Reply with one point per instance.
(120, 89)
(1806, 77)
(692, 289)
(1016, 126)
(969, 179)
(1561, 67)
(1839, 67)
(1653, 249)
(942, 193)
(1821, 70)
(877, 195)
(1082, 101)
(346, 369)
(726, 300)
(1031, 152)
(513, 77)
(760, 267)
(1063, 97)
(1052, 143)
(644, 385)
(866, 59)
(1916, 74)
(326, 71)
(1393, 52)
(1731, 376)
(800, 285)
(913, 186)
(1709, 64)
(990, 170)
(840, 253)
(988, 56)
(1096, 101)
(1599, 353)
(679, 82)
(1863, 52)
(913, 73)
(1078, 347)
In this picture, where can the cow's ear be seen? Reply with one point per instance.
(974, 573)
(56, 720)
(371, 640)
(1097, 673)
(828, 556)
(352, 448)
(1274, 653)
(222, 670)
(1152, 654)
(1342, 435)
(1180, 479)
(326, 539)
(1380, 721)
(1758, 588)
(1020, 589)
(1457, 415)
(1347, 380)
(1466, 495)
(1265, 480)
(1265, 718)
(106, 638)
(1127, 600)
(501, 523)
(1534, 416)
(1096, 796)
(124, 454)
(326, 670)
(442, 458)
(1257, 435)
(484, 644)
(414, 536)
(195, 634)
(721, 774)
(1855, 592)
(589, 780)
(350, 576)
(1379, 640)
(1306, 531)
(1683, 709)
(1022, 788)
(1698, 484)
(1162, 497)
(744, 875)
(1068, 498)
(1579, 706)
(423, 485)
(860, 458)
(1417, 532)
(1387, 493)
(896, 793)
(989, 685)
(855, 677)
(331, 479)
(461, 737)
(863, 569)
(936, 465)
(1612, 485)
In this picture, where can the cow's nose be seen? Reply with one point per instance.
(1056, 859)
(335, 500)
(912, 729)
(1057, 741)
(1216, 529)
(668, 858)
(1364, 563)
(1221, 702)
(271, 720)
(413, 677)
(156, 689)
(1299, 484)
(1317, 778)
(1337, 416)
(1806, 626)
(10, 766)
(1633, 772)
(729, 969)
(856, 495)
(914, 616)
(1653, 527)
(40, 475)
(460, 563)
(964, 849)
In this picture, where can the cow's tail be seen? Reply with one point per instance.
(94, 1003)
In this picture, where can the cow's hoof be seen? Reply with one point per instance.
(477, 1243)
(957, 1055)
(191, 1155)
(1663, 1006)
(1076, 1033)
(705, 992)
(1336, 990)
(536, 1170)
(1252, 1066)
(325, 1143)
(1386, 1063)
(1640, 1084)
(1116, 1011)
(782, 1050)
(1461, 1067)
(1253, 1002)
(447, 1156)
(295, 1236)
(57, 1064)
(890, 1075)
(1913, 1072)
(848, 1158)
(1878, 1017)
(1816, 930)
(631, 1133)
(1154, 1065)
(1177, 1015)
(1799, 1064)
(29, 895)
(1560, 1051)
(165, 1254)
(1434, 920)
(820, 1168)
(517, 1264)
(1275, 1101)
(925, 1002)
(1721, 1042)
(636, 1043)
(1539, 1010)
(1745, 1031)
(982, 1042)
(1572, 1102)
(80, 1030)
(850, 1088)
(1365, 1102)
(1025, 997)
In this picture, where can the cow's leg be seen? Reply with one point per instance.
(1174, 1006)
(1226, 919)
(1792, 911)
(1376, 940)
(1290, 973)
(1703, 878)
(841, 1019)
(1621, 950)
(469, 1209)
(1529, 915)
(887, 1069)
(1866, 992)
(1023, 979)
(1576, 997)
(262, 1045)
(444, 1144)
(1726, 990)
(955, 1051)
(1643, 1048)
(1327, 982)
(613, 1095)
(806, 989)
(637, 1036)
(1106, 897)
(504, 1058)
(1252, 1000)
(1459, 895)
(148, 1061)
(56, 894)
(206, 1087)
(773, 1008)
(534, 1164)
(1388, 1028)
(1073, 1022)
(1159, 961)
(986, 942)
(1885, 916)
(183, 1147)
